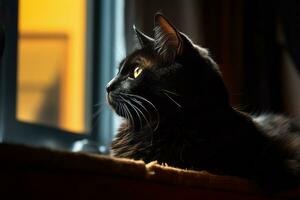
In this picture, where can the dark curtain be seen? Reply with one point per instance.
(185, 14)
(242, 36)
(263, 51)
(262, 75)
(289, 11)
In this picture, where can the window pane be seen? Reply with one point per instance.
(52, 64)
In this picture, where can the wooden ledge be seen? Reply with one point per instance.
(27, 168)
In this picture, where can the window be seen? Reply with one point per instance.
(52, 64)
(58, 58)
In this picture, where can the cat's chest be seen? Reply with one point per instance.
(168, 145)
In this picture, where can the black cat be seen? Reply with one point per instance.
(176, 110)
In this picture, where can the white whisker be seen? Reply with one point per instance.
(148, 102)
(133, 107)
(170, 92)
(173, 100)
(141, 112)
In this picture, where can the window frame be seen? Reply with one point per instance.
(99, 37)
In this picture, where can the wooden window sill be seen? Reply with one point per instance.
(48, 174)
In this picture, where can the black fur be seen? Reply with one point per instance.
(177, 112)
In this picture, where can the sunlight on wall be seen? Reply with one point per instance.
(51, 63)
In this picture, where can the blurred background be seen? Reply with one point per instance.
(68, 49)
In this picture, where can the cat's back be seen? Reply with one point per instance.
(284, 133)
(278, 126)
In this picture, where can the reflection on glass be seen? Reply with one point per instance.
(51, 63)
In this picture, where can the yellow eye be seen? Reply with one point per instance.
(137, 71)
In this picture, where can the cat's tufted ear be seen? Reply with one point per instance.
(168, 42)
(143, 39)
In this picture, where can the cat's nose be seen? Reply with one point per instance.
(108, 88)
(110, 85)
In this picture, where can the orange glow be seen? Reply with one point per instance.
(57, 28)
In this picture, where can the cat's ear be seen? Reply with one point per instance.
(168, 42)
(143, 39)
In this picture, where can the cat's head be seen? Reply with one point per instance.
(167, 75)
